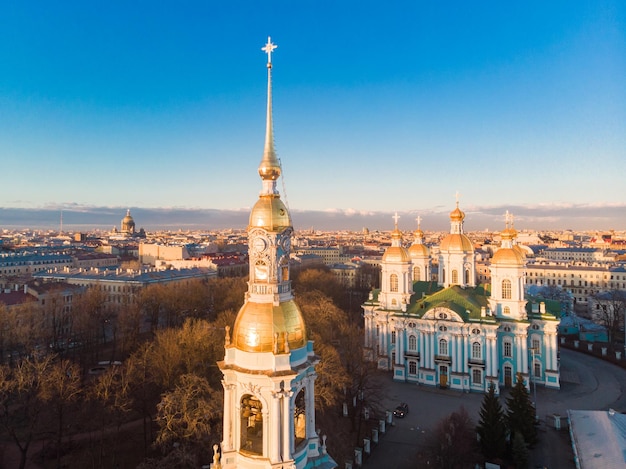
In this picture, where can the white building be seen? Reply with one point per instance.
(269, 364)
(455, 334)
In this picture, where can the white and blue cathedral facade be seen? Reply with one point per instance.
(454, 333)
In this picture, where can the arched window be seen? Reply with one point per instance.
(443, 275)
(467, 276)
(507, 349)
(412, 343)
(284, 270)
(506, 289)
(260, 271)
(477, 351)
(393, 283)
(443, 347)
(299, 417)
(416, 273)
(507, 311)
(455, 277)
(536, 346)
(251, 425)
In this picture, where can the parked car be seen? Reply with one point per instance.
(401, 410)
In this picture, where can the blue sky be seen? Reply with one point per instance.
(377, 106)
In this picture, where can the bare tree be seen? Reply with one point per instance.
(452, 445)
(22, 401)
(187, 416)
(61, 386)
(610, 309)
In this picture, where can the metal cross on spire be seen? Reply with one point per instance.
(507, 218)
(458, 196)
(396, 217)
(419, 220)
(268, 49)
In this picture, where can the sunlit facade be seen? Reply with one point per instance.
(454, 333)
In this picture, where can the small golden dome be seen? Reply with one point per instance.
(457, 243)
(457, 214)
(257, 324)
(269, 170)
(270, 213)
(419, 251)
(396, 254)
(508, 256)
(509, 233)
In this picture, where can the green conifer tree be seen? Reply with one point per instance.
(492, 427)
(520, 415)
(520, 451)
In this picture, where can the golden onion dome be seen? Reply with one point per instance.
(396, 254)
(419, 251)
(270, 213)
(508, 256)
(457, 214)
(257, 324)
(509, 233)
(456, 243)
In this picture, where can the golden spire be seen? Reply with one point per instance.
(269, 169)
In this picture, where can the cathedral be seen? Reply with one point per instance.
(455, 333)
(269, 364)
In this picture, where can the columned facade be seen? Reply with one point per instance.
(457, 336)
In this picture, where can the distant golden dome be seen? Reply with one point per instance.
(509, 233)
(270, 213)
(257, 324)
(396, 254)
(418, 251)
(457, 214)
(456, 243)
(508, 256)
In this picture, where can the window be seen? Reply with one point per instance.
(455, 277)
(477, 376)
(393, 283)
(507, 352)
(443, 347)
(506, 289)
(416, 273)
(507, 311)
(300, 417)
(251, 424)
(537, 370)
(467, 276)
(412, 368)
(476, 351)
(412, 343)
(536, 346)
(393, 337)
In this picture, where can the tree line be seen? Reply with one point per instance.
(138, 384)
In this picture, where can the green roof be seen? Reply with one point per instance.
(466, 302)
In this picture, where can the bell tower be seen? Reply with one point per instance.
(269, 365)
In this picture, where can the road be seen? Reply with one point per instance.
(587, 383)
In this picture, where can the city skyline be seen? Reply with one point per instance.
(375, 110)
